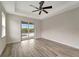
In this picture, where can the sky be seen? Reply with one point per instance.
(27, 25)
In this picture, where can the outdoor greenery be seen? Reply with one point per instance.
(27, 23)
(25, 30)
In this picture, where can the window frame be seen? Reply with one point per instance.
(3, 25)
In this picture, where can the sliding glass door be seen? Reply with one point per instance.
(27, 30)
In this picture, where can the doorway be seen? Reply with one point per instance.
(27, 30)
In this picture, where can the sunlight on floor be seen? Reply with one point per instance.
(30, 41)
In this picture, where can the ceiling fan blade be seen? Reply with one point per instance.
(35, 10)
(41, 4)
(45, 11)
(39, 12)
(48, 7)
(34, 6)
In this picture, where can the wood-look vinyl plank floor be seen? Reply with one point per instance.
(39, 48)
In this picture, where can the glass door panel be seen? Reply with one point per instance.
(31, 30)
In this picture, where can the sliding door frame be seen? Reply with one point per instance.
(28, 30)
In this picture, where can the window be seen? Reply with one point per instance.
(3, 24)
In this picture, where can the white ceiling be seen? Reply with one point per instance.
(22, 8)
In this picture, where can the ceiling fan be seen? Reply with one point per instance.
(41, 8)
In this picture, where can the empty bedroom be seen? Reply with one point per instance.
(39, 28)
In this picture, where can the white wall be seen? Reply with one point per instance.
(14, 27)
(63, 28)
(2, 40)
